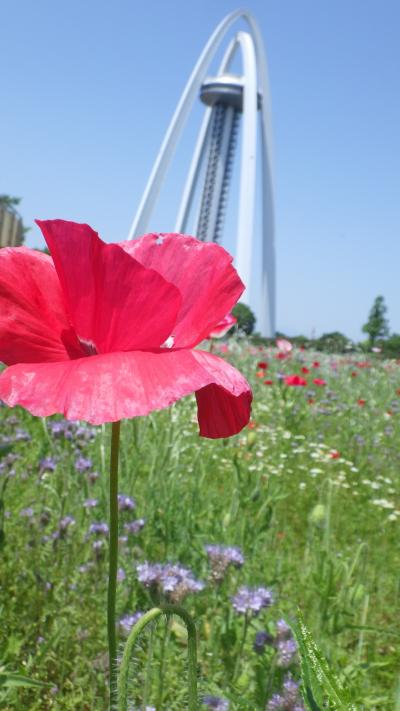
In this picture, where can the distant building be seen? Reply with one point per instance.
(11, 227)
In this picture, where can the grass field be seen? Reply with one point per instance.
(308, 493)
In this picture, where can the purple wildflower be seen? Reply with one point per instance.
(289, 698)
(63, 526)
(27, 513)
(283, 630)
(66, 522)
(90, 503)
(58, 427)
(48, 464)
(135, 526)
(221, 557)
(22, 435)
(276, 703)
(173, 580)
(126, 623)
(83, 464)
(125, 503)
(216, 702)
(262, 639)
(287, 650)
(121, 575)
(98, 529)
(291, 690)
(84, 567)
(251, 600)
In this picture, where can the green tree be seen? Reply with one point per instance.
(377, 325)
(10, 203)
(245, 318)
(334, 342)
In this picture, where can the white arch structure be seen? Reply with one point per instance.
(255, 81)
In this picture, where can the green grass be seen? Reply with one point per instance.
(321, 532)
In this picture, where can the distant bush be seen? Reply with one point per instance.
(391, 346)
(334, 342)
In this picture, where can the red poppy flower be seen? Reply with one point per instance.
(101, 332)
(281, 356)
(262, 364)
(305, 370)
(334, 454)
(361, 402)
(268, 382)
(311, 401)
(294, 380)
(354, 374)
(319, 381)
(316, 364)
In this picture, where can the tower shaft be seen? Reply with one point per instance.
(221, 147)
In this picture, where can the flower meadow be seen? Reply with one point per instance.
(146, 568)
(300, 509)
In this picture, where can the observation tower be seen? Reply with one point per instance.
(234, 104)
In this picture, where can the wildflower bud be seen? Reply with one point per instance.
(318, 515)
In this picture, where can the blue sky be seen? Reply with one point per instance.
(88, 89)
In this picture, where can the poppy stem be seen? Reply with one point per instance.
(113, 563)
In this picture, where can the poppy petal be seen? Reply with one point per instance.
(115, 303)
(34, 326)
(223, 406)
(113, 386)
(204, 275)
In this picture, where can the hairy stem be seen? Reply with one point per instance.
(113, 563)
(147, 618)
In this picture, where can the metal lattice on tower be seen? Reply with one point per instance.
(230, 100)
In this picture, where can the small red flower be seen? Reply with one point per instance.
(311, 401)
(295, 380)
(101, 332)
(319, 381)
(262, 364)
(305, 370)
(334, 454)
(260, 374)
(354, 374)
(280, 356)
(268, 382)
(316, 364)
(361, 402)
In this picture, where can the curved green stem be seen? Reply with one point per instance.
(113, 563)
(242, 643)
(146, 619)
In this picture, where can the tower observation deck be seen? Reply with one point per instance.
(224, 94)
(232, 102)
